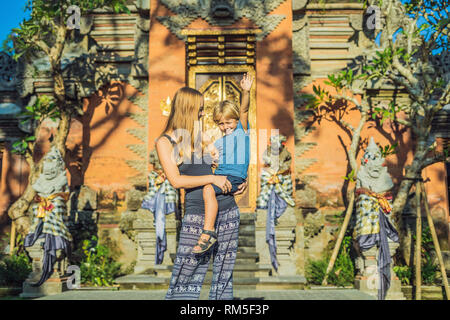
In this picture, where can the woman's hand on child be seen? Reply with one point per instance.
(246, 82)
(223, 183)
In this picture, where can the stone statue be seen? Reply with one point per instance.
(374, 228)
(277, 158)
(373, 175)
(161, 199)
(48, 230)
(276, 188)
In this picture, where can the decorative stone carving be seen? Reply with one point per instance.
(143, 5)
(221, 13)
(48, 231)
(86, 199)
(368, 279)
(57, 284)
(356, 21)
(7, 71)
(86, 24)
(221, 9)
(145, 238)
(300, 45)
(53, 178)
(277, 159)
(139, 68)
(299, 4)
(133, 199)
(373, 175)
(373, 226)
(285, 233)
(162, 200)
(276, 189)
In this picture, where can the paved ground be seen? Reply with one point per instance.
(312, 294)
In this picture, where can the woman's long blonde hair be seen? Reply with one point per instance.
(184, 123)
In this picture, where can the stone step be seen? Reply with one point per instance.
(247, 242)
(428, 292)
(146, 282)
(331, 30)
(247, 257)
(246, 218)
(326, 45)
(242, 266)
(248, 235)
(247, 228)
(246, 249)
(142, 282)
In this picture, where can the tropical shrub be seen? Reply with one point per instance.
(14, 269)
(97, 267)
(343, 272)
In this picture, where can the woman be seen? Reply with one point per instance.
(187, 167)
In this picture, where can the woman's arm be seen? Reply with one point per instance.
(164, 149)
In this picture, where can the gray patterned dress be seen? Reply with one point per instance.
(188, 270)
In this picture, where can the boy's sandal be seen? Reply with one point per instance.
(205, 245)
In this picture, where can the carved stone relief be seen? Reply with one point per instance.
(221, 13)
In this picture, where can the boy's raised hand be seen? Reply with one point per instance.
(246, 82)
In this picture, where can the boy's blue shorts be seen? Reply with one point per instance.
(235, 183)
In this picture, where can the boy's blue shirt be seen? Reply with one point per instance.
(234, 153)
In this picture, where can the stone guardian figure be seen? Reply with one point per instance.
(374, 228)
(47, 228)
(276, 189)
(161, 199)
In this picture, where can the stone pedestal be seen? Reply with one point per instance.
(146, 246)
(368, 279)
(57, 283)
(285, 238)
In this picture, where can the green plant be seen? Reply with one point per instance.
(14, 269)
(429, 269)
(429, 272)
(44, 107)
(343, 272)
(404, 273)
(98, 267)
(315, 271)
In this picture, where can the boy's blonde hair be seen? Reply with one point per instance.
(227, 109)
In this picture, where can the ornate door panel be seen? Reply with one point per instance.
(219, 86)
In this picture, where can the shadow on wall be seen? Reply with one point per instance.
(279, 71)
(80, 150)
(341, 112)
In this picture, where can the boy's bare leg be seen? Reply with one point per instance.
(211, 207)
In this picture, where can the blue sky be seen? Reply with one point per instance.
(11, 14)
